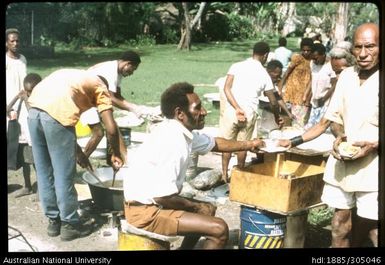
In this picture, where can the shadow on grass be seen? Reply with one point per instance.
(74, 59)
(234, 46)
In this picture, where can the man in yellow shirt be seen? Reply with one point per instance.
(56, 104)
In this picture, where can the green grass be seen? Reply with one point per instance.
(320, 216)
(162, 65)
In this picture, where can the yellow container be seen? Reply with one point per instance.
(82, 130)
(281, 186)
(127, 241)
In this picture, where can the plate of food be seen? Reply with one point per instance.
(348, 150)
(271, 146)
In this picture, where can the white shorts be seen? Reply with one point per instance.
(366, 202)
(90, 117)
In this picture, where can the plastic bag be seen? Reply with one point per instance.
(14, 158)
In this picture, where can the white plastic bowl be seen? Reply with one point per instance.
(100, 151)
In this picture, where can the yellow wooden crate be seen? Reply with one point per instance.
(264, 185)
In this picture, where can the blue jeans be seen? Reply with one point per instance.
(54, 152)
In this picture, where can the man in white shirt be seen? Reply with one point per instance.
(323, 80)
(15, 66)
(351, 184)
(114, 71)
(155, 175)
(246, 81)
(282, 53)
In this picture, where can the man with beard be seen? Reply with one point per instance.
(156, 174)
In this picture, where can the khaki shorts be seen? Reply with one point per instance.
(231, 130)
(366, 202)
(152, 218)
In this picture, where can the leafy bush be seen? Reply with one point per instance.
(142, 40)
(170, 35)
(320, 216)
(38, 51)
(240, 27)
(80, 42)
(216, 28)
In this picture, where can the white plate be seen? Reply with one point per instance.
(272, 147)
(276, 149)
(130, 120)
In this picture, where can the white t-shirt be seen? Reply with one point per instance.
(283, 55)
(90, 116)
(250, 81)
(321, 76)
(16, 70)
(109, 70)
(159, 166)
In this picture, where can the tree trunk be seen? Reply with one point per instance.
(187, 26)
(185, 30)
(288, 11)
(342, 22)
(198, 17)
(182, 40)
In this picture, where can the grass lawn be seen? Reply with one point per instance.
(162, 65)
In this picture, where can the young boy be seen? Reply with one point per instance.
(274, 69)
(24, 148)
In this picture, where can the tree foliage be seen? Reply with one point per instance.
(99, 23)
(113, 23)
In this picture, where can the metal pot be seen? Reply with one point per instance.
(106, 197)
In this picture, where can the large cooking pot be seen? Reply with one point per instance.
(105, 196)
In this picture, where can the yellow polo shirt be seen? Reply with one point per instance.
(66, 93)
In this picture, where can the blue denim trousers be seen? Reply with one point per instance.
(54, 152)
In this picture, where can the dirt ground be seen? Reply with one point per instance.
(26, 216)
